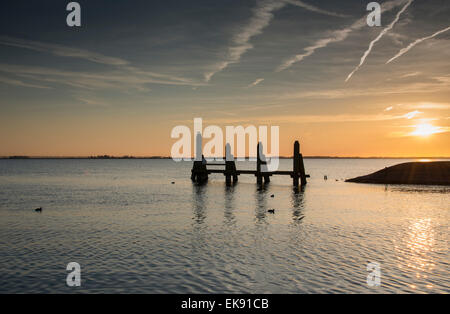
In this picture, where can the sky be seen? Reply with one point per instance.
(134, 70)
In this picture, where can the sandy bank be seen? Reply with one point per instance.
(430, 173)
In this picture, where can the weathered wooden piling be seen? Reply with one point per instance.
(230, 166)
(261, 160)
(302, 171)
(230, 172)
(200, 171)
(258, 165)
(298, 167)
(296, 163)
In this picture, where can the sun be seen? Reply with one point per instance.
(425, 129)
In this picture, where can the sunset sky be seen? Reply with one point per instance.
(135, 69)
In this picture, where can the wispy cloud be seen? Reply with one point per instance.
(397, 38)
(418, 41)
(443, 79)
(15, 82)
(122, 68)
(410, 74)
(262, 16)
(373, 42)
(342, 93)
(61, 51)
(412, 114)
(334, 37)
(255, 83)
(296, 118)
(419, 105)
(122, 79)
(426, 105)
(92, 102)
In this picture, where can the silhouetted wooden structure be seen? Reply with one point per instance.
(201, 169)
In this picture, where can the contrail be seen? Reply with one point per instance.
(383, 32)
(62, 51)
(312, 8)
(418, 41)
(262, 17)
(335, 36)
(255, 83)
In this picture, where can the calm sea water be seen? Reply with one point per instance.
(131, 230)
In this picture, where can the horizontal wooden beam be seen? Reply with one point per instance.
(270, 173)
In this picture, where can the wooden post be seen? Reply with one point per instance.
(230, 166)
(193, 173)
(258, 165)
(227, 165)
(228, 179)
(302, 170)
(259, 162)
(199, 172)
(233, 171)
(296, 164)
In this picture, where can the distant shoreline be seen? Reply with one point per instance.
(163, 157)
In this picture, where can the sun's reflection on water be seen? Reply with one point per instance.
(415, 257)
(421, 241)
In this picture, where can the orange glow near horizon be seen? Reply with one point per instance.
(119, 137)
(124, 92)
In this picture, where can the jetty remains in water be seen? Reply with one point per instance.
(202, 169)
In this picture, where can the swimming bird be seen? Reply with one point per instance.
(38, 210)
(272, 211)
